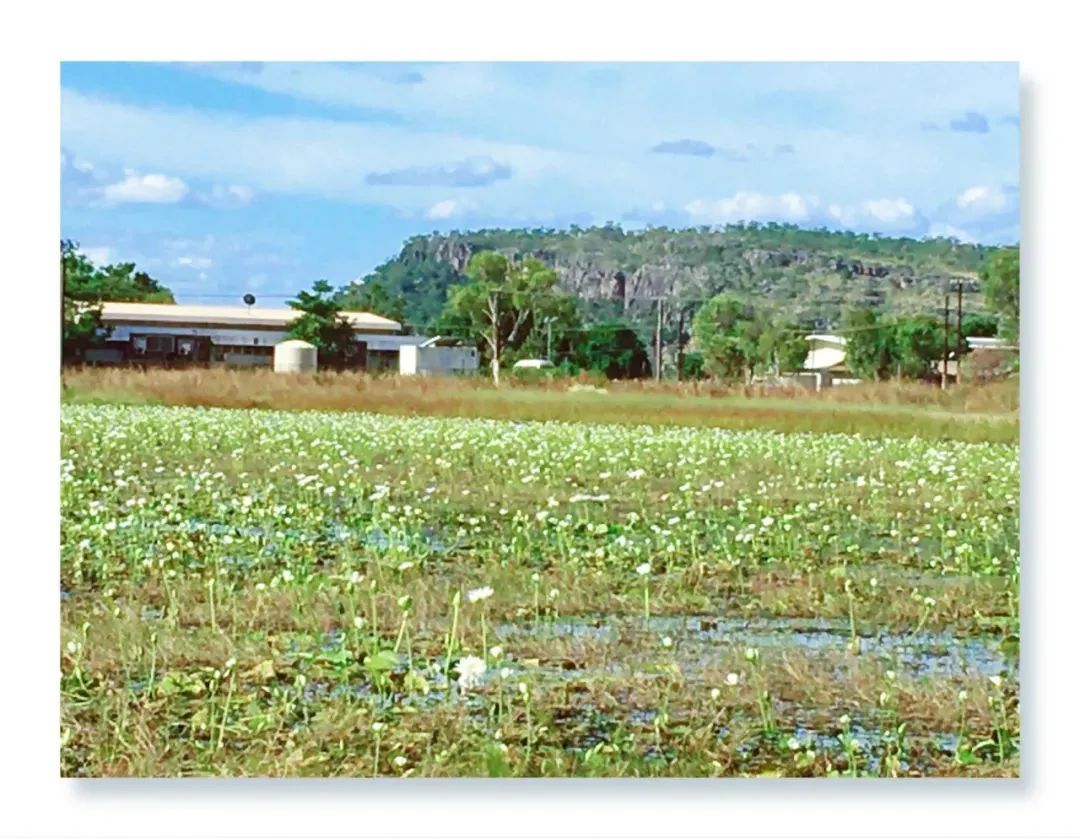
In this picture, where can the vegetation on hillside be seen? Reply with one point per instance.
(812, 276)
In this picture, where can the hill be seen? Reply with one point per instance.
(809, 276)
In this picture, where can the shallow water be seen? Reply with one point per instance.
(698, 640)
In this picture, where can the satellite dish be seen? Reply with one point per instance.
(249, 299)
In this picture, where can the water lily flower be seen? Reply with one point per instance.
(470, 670)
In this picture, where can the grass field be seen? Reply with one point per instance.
(972, 413)
(317, 592)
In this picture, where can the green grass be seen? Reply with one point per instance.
(287, 594)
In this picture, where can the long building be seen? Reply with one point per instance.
(237, 336)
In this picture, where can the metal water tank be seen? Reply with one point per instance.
(295, 356)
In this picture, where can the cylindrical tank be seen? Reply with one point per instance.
(295, 356)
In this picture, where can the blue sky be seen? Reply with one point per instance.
(225, 178)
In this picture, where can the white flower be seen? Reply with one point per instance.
(715, 693)
(793, 744)
(732, 679)
(505, 673)
(496, 652)
(377, 727)
(995, 680)
(287, 575)
(358, 622)
(666, 642)
(470, 670)
(751, 654)
(644, 569)
(400, 761)
(478, 594)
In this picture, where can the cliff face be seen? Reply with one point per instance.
(805, 275)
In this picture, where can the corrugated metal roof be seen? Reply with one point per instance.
(163, 313)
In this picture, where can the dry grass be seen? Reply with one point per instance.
(972, 412)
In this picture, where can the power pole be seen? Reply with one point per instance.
(659, 320)
(945, 350)
(549, 338)
(959, 326)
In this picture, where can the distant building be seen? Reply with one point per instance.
(438, 356)
(826, 362)
(236, 336)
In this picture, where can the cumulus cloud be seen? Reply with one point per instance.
(476, 171)
(448, 208)
(880, 215)
(983, 212)
(754, 206)
(146, 189)
(231, 196)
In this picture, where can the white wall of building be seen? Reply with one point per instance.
(438, 360)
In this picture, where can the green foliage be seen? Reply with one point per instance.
(321, 324)
(785, 347)
(504, 305)
(804, 276)
(613, 349)
(692, 366)
(917, 345)
(86, 286)
(1001, 286)
(979, 325)
(420, 285)
(869, 344)
(374, 297)
(728, 332)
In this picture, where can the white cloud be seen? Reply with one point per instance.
(449, 208)
(753, 206)
(146, 189)
(947, 231)
(100, 255)
(881, 215)
(983, 199)
(229, 196)
(196, 262)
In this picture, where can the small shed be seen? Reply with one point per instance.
(438, 356)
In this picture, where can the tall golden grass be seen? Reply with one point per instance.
(973, 412)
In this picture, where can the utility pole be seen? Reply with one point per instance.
(549, 319)
(659, 320)
(945, 350)
(959, 326)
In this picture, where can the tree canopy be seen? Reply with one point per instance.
(504, 304)
(86, 286)
(321, 324)
(1001, 286)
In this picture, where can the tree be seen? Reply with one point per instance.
(1001, 285)
(728, 333)
(613, 349)
(86, 286)
(503, 304)
(784, 347)
(322, 325)
(979, 325)
(868, 350)
(374, 297)
(917, 345)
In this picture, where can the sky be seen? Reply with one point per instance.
(228, 178)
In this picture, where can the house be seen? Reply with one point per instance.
(236, 336)
(825, 363)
